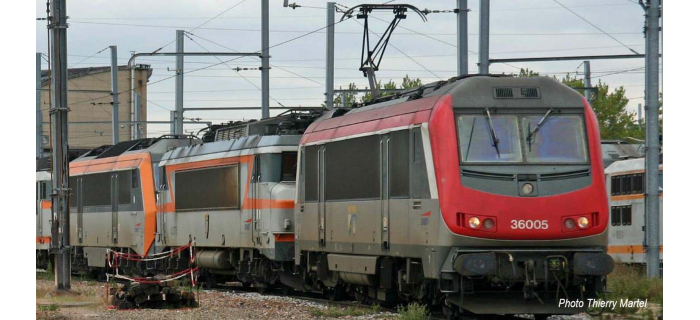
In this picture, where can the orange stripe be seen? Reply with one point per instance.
(632, 197)
(284, 237)
(148, 194)
(43, 240)
(630, 249)
(46, 204)
(269, 204)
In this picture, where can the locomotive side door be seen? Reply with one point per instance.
(322, 196)
(78, 190)
(114, 181)
(39, 198)
(255, 186)
(384, 147)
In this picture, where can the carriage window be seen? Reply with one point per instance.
(73, 198)
(135, 179)
(398, 161)
(124, 187)
(311, 173)
(355, 171)
(289, 166)
(97, 188)
(207, 189)
(621, 215)
(626, 215)
(615, 185)
(615, 216)
(627, 184)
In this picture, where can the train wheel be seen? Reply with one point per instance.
(263, 288)
(450, 312)
(287, 290)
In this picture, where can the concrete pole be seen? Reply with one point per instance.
(179, 79)
(639, 115)
(265, 6)
(60, 230)
(587, 79)
(39, 115)
(484, 21)
(330, 54)
(137, 125)
(115, 95)
(462, 40)
(652, 155)
(173, 122)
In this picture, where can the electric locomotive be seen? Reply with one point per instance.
(482, 194)
(113, 204)
(234, 199)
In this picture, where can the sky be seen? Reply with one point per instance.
(533, 28)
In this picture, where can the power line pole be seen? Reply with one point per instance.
(39, 115)
(330, 54)
(587, 79)
(173, 121)
(462, 40)
(137, 110)
(60, 231)
(115, 95)
(179, 79)
(484, 21)
(652, 139)
(265, 6)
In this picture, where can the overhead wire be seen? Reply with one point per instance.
(594, 26)
(215, 64)
(399, 50)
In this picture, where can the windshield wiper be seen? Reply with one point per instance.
(530, 135)
(494, 137)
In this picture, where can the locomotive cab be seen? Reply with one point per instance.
(522, 194)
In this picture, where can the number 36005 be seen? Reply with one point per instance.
(529, 224)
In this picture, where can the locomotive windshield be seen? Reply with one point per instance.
(559, 139)
(489, 139)
(501, 139)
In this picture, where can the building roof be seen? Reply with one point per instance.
(81, 72)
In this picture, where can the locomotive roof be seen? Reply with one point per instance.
(474, 91)
(256, 144)
(490, 90)
(156, 146)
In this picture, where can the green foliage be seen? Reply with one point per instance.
(47, 307)
(628, 282)
(413, 311)
(609, 105)
(352, 97)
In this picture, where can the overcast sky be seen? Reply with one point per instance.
(518, 29)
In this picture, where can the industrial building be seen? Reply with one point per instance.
(90, 105)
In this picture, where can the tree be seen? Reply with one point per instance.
(352, 98)
(614, 121)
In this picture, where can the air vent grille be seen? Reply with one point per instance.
(529, 93)
(503, 92)
(516, 93)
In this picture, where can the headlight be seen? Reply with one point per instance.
(569, 223)
(474, 222)
(583, 222)
(527, 188)
(488, 224)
